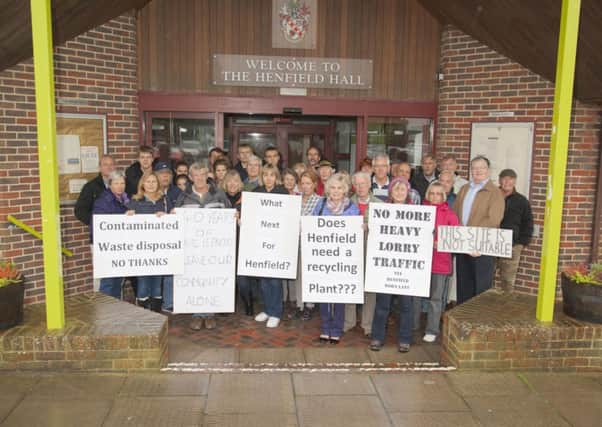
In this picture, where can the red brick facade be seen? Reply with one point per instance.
(478, 80)
(98, 67)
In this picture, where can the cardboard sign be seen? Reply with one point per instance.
(466, 240)
(207, 284)
(269, 235)
(332, 254)
(137, 245)
(400, 249)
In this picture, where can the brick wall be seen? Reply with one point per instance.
(478, 80)
(98, 67)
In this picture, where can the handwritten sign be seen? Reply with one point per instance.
(269, 235)
(400, 249)
(332, 254)
(137, 245)
(466, 240)
(207, 284)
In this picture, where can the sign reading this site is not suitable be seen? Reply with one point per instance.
(137, 245)
(332, 254)
(466, 240)
(269, 235)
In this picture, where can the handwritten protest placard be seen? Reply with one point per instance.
(207, 284)
(466, 240)
(269, 235)
(400, 249)
(137, 245)
(332, 254)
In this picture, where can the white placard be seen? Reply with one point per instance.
(400, 249)
(269, 235)
(466, 240)
(208, 282)
(137, 245)
(332, 259)
(68, 154)
(76, 185)
(89, 158)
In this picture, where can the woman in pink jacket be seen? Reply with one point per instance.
(442, 262)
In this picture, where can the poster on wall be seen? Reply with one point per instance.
(207, 284)
(294, 24)
(400, 249)
(269, 235)
(332, 259)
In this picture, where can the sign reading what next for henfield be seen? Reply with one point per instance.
(400, 249)
(207, 284)
(269, 235)
(466, 240)
(332, 254)
(137, 245)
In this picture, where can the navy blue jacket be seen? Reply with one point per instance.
(108, 203)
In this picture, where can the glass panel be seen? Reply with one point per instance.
(345, 145)
(402, 139)
(298, 145)
(187, 139)
(160, 131)
(259, 141)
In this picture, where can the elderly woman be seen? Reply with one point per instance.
(336, 203)
(399, 191)
(113, 201)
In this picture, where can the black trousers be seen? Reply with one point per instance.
(475, 275)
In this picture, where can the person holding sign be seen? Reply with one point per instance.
(399, 191)
(335, 203)
(441, 266)
(150, 200)
(271, 287)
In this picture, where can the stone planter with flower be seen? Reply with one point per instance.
(11, 295)
(582, 292)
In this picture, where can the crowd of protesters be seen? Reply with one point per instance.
(153, 185)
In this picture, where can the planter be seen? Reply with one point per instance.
(581, 301)
(11, 305)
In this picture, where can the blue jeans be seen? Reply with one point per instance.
(381, 313)
(168, 293)
(149, 286)
(111, 286)
(271, 291)
(333, 318)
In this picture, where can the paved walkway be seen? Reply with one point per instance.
(302, 399)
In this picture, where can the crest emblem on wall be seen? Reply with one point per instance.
(294, 24)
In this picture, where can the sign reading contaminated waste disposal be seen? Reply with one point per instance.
(332, 254)
(400, 249)
(486, 241)
(269, 235)
(137, 245)
(207, 284)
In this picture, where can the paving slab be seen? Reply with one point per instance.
(335, 354)
(166, 385)
(250, 393)
(272, 355)
(17, 384)
(181, 349)
(515, 411)
(390, 354)
(579, 410)
(251, 420)
(341, 411)
(216, 355)
(157, 411)
(78, 386)
(332, 384)
(409, 392)
(487, 384)
(7, 403)
(32, 412)
(548, 382)
(433, 419)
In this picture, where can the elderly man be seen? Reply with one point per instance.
(405, 170)
(380, 180)
(424, 175)
(446, 178)
(479, 204)
(165, 177)
(362, 198)
(325, 171)
(518, 218)
(449, 163)
(93, 189)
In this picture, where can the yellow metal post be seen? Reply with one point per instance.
(561, 121)
(41, 27)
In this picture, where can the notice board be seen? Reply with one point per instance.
(81, 139)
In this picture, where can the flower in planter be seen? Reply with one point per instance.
(9, 274)
(585, 274)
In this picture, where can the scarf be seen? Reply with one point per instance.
(339, 208)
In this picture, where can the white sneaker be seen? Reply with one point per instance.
(261, 317)
(273, 322)
(429, 338)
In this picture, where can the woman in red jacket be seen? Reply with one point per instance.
(442, 262)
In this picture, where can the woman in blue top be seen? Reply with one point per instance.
(336, 202)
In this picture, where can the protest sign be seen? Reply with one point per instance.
(269, 235)
(137, 245)
(332, 258)
(207, 284)
(400, 249)
(466, 240)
